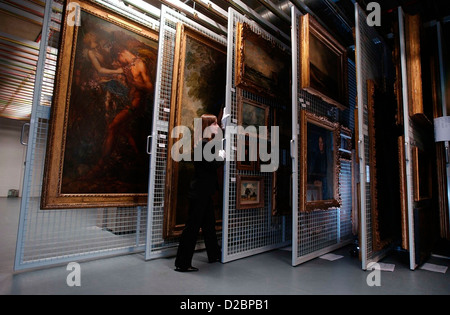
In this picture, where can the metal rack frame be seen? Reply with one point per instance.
(61, 236)
(318, 232)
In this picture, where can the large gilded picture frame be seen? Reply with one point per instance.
(319, 163)
(261, 66)
(323, 63)
(101, 113)
(198, 87)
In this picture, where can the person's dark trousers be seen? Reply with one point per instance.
(201, 215)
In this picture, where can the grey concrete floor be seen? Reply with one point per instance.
(264, 274)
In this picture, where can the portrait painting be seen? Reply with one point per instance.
(101, 114)
(320, 162)
(250, 192)
(198, 87)
(323, 63)
(262, 67)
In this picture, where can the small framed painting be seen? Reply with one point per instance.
(250, 192)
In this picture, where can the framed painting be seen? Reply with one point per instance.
(323, 63)
(419, 110)
(262, 67)
(385, 174)
(319, 162)
(252, 113)
(249, 192)
(102, 112)
(198, 87)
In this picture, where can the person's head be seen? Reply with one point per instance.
(209, 121)
(125, 57)
(90, 40)
(321, 144)
(105, 46)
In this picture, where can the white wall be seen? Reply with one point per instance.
(12, 156)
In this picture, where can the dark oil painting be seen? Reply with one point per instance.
(110, 114)
(325, 68)
(320, 164)
(101, 112)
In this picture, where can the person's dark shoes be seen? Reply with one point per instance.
(213, 260)
(186, 269)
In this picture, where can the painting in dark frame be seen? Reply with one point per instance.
(320, 163)
(262, 66)
(323, 63)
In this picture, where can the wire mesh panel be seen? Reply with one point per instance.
(48, 237)
(321, 231)
(412, 137)
(370, 50)
(157, 244)
(247, 231)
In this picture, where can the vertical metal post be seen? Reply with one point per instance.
(406, 123)
(138, 224)
(361, 144)
(153, 157)
(294, 141)
(30, 148)
(228, 111)
(444, 108)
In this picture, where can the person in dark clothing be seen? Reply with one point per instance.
(201, 211)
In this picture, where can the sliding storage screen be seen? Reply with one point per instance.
(322, 218)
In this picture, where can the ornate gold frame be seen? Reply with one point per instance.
(244, 33)
(304, 205)
(52, 198)
(309, 26)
